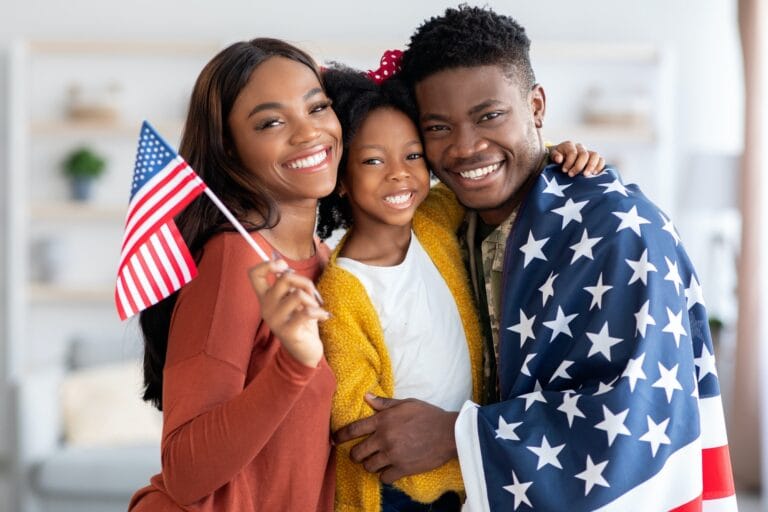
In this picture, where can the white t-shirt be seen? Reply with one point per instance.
(422, 328)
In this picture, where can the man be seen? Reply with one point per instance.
(600, 355)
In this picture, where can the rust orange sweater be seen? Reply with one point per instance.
(245, 426)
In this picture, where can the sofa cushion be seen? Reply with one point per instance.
(102, 471)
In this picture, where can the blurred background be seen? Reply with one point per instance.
(670, 91)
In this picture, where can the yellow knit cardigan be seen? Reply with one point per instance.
(355, 349)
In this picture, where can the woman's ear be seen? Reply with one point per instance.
(341, 189)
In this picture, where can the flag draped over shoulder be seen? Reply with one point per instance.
(610, 395)
(154, 260)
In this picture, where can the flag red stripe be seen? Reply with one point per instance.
(184, 250)
(167, 249)
(159, 200)
(694, 505)
(149, 276)
(160, 266)
(179, 205)
(170, 175)
(718, 477)
(134, 306)
(119, 303)
(137, 282)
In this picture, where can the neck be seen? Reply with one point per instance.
(377, 244)
(293, 236)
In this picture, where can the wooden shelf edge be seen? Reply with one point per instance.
(44, 293)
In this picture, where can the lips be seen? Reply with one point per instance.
(478, 173)
(310, 161)
(400, 200)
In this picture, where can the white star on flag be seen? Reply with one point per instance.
(560, 324)
(602, 342)
(597, 292)
(694, 294)
(532, 249)
(706, 363)
(670, 228)
(634, 371)
(614, 186)
(602, 388)
(548, 289)
(547, 454)
(533, 396)
(507, 430)
(570, 408)
(673, 275)
(562, 371)
(584, 247)
(524, 370)
(643, 319)
(631, 220)
(593, 475)
(570, 211)
(640, 268)
(554, 188)
(613, 424)
(524, 328)
(675, 325)
(668, 381)
(518, 490)
(656, 435)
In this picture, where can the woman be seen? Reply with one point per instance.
(246, 416)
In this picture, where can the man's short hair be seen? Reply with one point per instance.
(466, 37)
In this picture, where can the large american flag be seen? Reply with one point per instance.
(610, 395)
(154, 260)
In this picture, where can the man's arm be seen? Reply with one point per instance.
(405, 437)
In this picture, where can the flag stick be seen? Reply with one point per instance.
(239, 227)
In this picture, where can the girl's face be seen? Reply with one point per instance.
(386, 176)
(285, 131)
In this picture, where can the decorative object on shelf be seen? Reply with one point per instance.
(94, 103)
(617, 108)
(82, 166)
(47, 259)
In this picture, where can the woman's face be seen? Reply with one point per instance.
(285, 131)
(386, 176)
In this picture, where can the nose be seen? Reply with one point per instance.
(305, 131)
(465, 142)
(399, 171)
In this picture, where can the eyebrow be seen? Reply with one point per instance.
(273, 105)
(381, 147)
(474, 110)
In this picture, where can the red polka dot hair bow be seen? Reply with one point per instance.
(389, 66)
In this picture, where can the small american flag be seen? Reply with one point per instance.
(154, 260)
(610, 394)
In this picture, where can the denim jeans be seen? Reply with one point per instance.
(394, 500)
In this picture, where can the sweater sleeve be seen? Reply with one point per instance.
(215, 424)
(442, 207)
(354, 347)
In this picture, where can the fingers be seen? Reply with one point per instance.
(376, 462)
(354, 430)
(580, 162)
(260, 274)
(595, 165)
(391, 474)
(379, 403)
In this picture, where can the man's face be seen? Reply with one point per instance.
(481, 135)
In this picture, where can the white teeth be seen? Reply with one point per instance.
(399, 199)
(476, 174)
(309, 161)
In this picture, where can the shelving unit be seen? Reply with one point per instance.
(47, 310)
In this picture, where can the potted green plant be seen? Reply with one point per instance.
(82, 166)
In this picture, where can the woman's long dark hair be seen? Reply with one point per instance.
(207, 145)
(354, 96)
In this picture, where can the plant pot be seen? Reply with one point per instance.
(81, 188)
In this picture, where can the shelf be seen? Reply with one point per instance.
(70, 210)
(65, 127)
(46, 293)
(602, 133)
(127, 47)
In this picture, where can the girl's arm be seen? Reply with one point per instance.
(576, 159)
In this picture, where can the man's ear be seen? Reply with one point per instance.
(538, 102)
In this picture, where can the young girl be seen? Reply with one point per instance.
(246, 416)
(402, 321)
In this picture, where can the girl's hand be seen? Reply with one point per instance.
(290, 309)
(576, 159)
